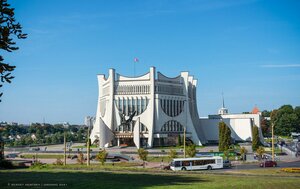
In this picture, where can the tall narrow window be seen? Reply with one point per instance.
(125, 107)
(133, 104)
(129, 106)
(142, 104)
(121, 105)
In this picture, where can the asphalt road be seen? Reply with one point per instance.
(255, 166)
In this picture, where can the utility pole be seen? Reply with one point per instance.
(184, 130)
(273, 158)
(65, 148)
(88, 148)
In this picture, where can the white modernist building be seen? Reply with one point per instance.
(160, 108)
(240, 125)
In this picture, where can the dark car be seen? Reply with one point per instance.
(268, 164)
(166, 167)
(226, 164)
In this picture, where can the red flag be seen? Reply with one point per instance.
(136, 59)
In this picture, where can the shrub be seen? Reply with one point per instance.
(101, 156)
(172, 154)
(58, 162)
(80, 158)
(143, 154)
(226, 154)
(39, 165)
(260, 151)
(291, 170)
(191, 150)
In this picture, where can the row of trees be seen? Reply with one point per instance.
(42, 134)
(286, 120)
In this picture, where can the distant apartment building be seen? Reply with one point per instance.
(89, 121)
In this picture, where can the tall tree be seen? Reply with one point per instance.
(224, 137)
(221, 136)
(265, 127)
(255, 138)
(9, 28)
(286, 120)
(227, 137)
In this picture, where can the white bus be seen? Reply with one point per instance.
(208, 163)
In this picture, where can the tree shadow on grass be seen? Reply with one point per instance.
(97, 180)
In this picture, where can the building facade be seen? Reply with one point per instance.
(240, 125)
(160, 107)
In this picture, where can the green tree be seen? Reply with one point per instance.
(226, 154)
(260, 151)
(243, 152)
(227, 137)
(255, 138)
(224, 137)
(143, 154)
(1, 149)
(286, 120)
(265, 127)
(48, 140)
(101, 156)
(179, 140)
(80, 158)
(221, 136)
(190, 150)
(172, 154)
(9, 28)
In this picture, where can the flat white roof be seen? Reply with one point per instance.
(197, 158)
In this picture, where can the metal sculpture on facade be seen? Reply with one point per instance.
(125, 123)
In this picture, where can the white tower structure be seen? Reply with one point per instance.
(223, 110)
(161, 106)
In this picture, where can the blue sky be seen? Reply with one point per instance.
(249, 49)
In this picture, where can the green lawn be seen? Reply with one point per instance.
(165, 159)
(117, 179)
(266, 172)
(82, 146)
(43, 156)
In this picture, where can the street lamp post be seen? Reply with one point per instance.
(273, 158)
(65, 148)
(184, 130)
(88, 147)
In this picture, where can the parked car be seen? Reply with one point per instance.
(11, 155)
(166, 167)
(268, 164)
(226, 164)
(35, 149)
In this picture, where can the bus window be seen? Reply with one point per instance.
(185, 163)
(199, 162)
(177, 164)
